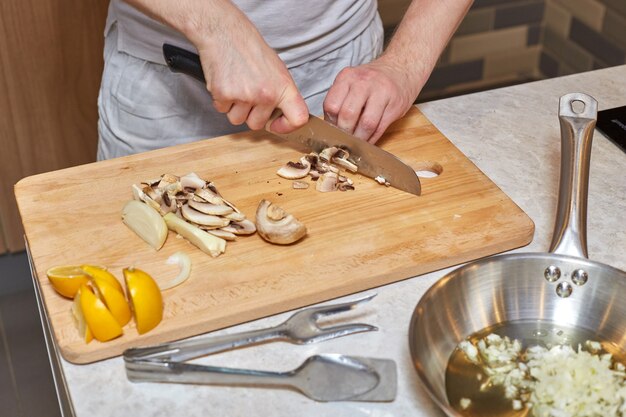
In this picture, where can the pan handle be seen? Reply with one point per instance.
(577, 117)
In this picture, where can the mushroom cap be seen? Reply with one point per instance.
(277, 226)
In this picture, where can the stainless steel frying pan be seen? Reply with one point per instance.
(562, 287)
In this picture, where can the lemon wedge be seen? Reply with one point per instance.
(145, 298)
(100, 272)
(100, 320)
(79, 320)
(113, 299)
(67, 279)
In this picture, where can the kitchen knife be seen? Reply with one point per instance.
(317, 134)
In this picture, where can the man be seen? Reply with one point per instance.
(319, 56)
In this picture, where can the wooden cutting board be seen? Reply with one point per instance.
(357, 240)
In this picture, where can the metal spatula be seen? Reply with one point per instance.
(326, 377)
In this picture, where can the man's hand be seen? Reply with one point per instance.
(365, 100)
(244, 75)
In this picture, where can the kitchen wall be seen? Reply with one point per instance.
(50, 69)
(504, 42)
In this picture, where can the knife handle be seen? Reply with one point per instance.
(183, 61)
(186, 62)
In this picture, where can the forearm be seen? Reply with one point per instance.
(422, 35)
(201, 21)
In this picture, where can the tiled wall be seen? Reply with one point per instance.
(581, 35)
(503, 42)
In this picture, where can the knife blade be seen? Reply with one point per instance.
(318, 134)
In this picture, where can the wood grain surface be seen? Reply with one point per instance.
(357, 240)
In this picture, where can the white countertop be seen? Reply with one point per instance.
(512, 134)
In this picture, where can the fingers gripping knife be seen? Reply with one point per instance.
(325, 377)
(317, 134)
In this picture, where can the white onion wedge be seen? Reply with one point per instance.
(204, 241)
(184, 262)
(146, 222)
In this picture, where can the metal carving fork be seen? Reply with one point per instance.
(321, 377)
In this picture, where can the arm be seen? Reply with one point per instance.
(365, 100)
(245, 76)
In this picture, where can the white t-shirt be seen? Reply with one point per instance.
(298, 30)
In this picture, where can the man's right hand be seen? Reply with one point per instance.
(244, 75)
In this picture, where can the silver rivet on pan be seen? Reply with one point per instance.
(580, 277)
(564, 289)
(552, 273)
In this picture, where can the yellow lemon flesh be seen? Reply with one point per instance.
(99, 272)
(145, 298)
(67, 279)
(114, 300)
(79, 320)
(101, 322)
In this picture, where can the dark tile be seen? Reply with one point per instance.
(476, 21)
(615, 6)
(28, 355)
(533, 36)
(599, 65)
(548, 66)
(595, 43)
(14, 273)
(452, 74)
(566, 51)
(614, 28)
(517, 15)
(490, 3)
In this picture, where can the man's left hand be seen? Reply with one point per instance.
(366, 99)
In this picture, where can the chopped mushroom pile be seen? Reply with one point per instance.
(197, 202)
(326, 169)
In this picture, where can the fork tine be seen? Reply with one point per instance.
(331, 309)
(328, 333)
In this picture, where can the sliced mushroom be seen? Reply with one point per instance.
(167, 179)
(327, 153)
(139, 193)
(295, 170)
(300, 185)
(223, 234)
(344, 186)
(327, 182)
(345, 164)
(236, 216)
(203, 219)
(209, 196)
(208, 208)
(192, 180)
(244, 227)
(277, 226)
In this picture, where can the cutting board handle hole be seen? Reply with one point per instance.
(428, 169)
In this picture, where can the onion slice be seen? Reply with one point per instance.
(184, 262)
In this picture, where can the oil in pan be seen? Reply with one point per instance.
(464, 378)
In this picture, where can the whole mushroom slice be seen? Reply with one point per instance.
(277, 226)
(197, 217)
(208, 208)
(295, 170)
